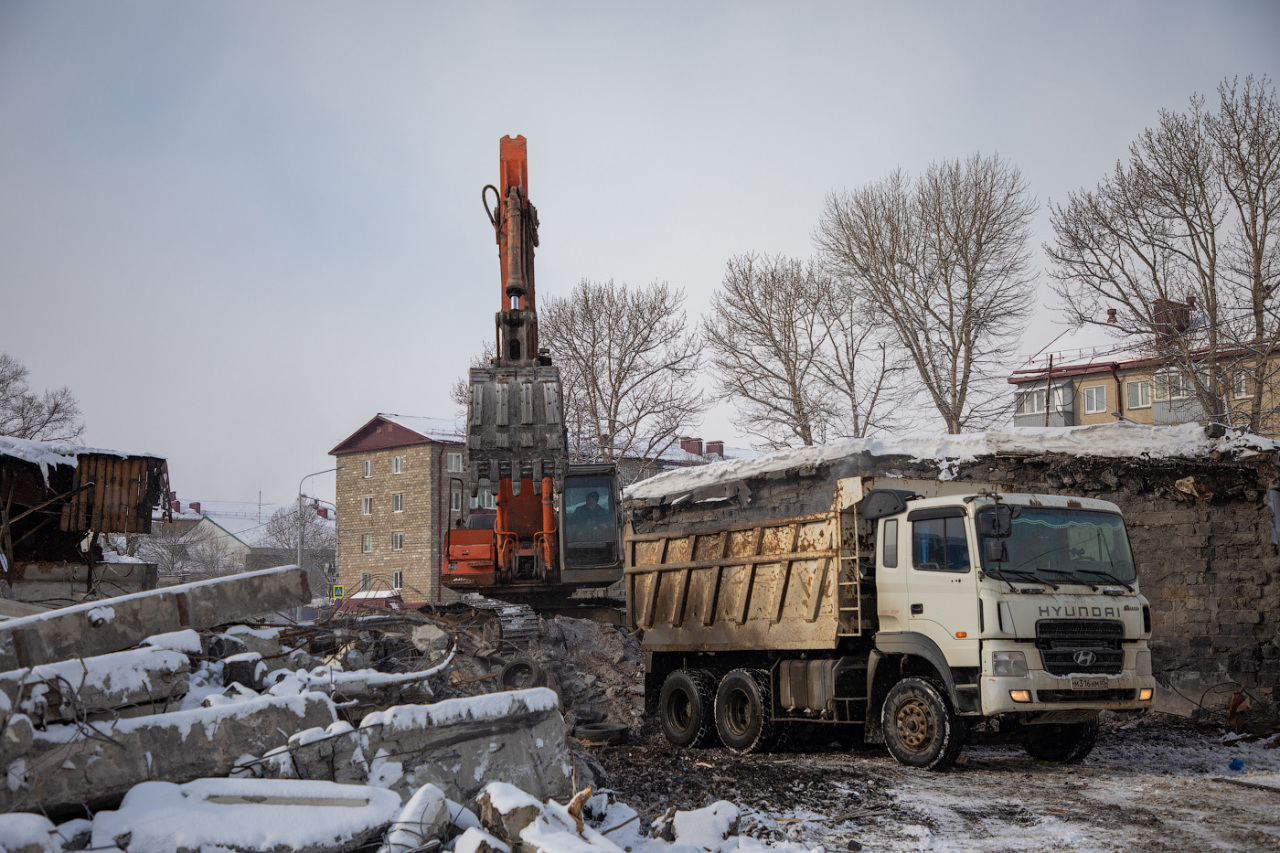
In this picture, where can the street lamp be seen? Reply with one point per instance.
(301, 517)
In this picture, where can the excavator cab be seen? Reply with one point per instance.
(590, 525)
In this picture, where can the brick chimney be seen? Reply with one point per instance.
(715, 448)
(691, 445)
(195, 507)
(175, 505)
(1170, 317)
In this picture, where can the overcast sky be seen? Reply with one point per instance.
(239, 230)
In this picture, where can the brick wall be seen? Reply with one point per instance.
(424, 487)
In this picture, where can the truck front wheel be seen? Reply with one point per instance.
(685, 708)
(744, 710)
(920, 729)
(1068, 743)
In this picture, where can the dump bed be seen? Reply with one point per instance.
(699, 578)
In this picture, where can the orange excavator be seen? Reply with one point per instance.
(556, 529)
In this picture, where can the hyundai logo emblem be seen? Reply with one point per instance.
(1084, 657)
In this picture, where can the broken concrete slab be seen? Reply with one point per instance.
(70, 690)
(28, 833)
(423, 820)
(247, 816)
(459, 744)
(95, 765)
(113, 624)
(505, 810)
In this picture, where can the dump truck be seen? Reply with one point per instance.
(903, 611)
(556, 530)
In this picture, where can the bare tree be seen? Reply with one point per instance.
(319, 540)
(460, 393)
(183, 552)
(629, 365)
(51, 416)
(943, 263)
(789, 350)
(1178, 247)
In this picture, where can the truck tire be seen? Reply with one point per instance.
(1068, 743)
(920, 728)
(685, 708)
(744, 711)
(522, 673)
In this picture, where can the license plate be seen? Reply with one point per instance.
(1088, 684)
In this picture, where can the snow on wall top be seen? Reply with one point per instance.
(1116, 440)
(54, 453)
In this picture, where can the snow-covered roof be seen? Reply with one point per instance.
(245, 520)
(1113, 440)
(449, 430)
(54, 453)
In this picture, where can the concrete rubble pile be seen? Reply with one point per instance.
(166, 720)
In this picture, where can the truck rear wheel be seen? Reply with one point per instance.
(1068, 743)
(685, 708)
(920, 729)
(744, 711)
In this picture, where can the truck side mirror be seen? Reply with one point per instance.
(995, 551)
(996, 521)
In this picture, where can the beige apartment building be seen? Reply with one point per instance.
(1097, 388)
(400, 488)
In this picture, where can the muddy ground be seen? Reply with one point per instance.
(1155, 785)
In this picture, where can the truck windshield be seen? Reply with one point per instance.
(1058, 545)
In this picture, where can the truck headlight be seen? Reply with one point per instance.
(1008, 664)
(1142, 664)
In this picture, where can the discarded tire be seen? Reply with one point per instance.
(607, 733)
(521, 674)
(920, 729)
(686, 708)
(744, 711)
(1062, 744)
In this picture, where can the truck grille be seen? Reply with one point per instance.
(1062, 641)
(1073, 629)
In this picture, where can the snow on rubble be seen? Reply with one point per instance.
(1117, 440)
(374, 732)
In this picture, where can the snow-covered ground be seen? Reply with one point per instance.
(1145, 788)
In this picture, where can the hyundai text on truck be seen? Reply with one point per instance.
(904, 611)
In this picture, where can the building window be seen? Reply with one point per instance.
(1095, 400)
(397, 579)
(1032, 402)
(1138, 394)
(366, 468)
(1174, 386)
(397, 502)
(366, 543)
(1240, 385)
(366, 506)
(397, 543)
(397, 464)
(455, 501)
(366, 581)
(453, 463)
(484, 499)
